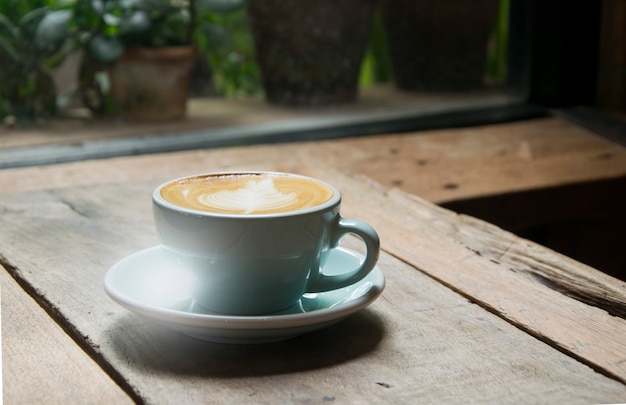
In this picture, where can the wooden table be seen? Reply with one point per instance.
(470, 313)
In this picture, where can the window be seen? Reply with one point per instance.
(276, 70)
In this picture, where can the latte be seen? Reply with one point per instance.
(247, 193)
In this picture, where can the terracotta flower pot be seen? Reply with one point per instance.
(438, 45)
(151, 84)
(145, 84)
(310, 51)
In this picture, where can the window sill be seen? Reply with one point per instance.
(223, 122)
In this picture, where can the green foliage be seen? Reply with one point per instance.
(498, 43)
(36, 35)
(376, 67)
(218, 6)
(225, 40)
(217, 28)
(107, 27)
(32, 39)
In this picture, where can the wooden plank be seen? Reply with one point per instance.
(516, 175)
(465, 163)
(41, 364)
(440, 166)
(584, 221)
(573, 307)
(548, 167)
(420, 342)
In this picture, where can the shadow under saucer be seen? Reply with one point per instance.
(142, 344)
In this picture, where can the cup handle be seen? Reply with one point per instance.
(363, 230)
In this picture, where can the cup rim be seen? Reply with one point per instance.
(334, 201)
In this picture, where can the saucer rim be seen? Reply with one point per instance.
(238, 322)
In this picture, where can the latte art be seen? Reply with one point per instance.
(247, 193)
(253, 197)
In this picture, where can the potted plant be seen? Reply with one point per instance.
(139, 53)
(310, 51)
(31, 44)
(438, 45)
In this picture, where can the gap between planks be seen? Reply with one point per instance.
(498, 271)
(83, 342)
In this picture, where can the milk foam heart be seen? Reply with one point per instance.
(255, 196)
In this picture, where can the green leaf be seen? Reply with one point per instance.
(111, 19)
(8, 30)
(8, 53)
(87, 16)
(97, 6)
(105, 49)
(137, 22)
(28, 23)
(217, 36)
(52, 31)
(218, 6)
(155, 6)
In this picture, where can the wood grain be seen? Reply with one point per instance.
(574, 307)
(440, 166)
(429, 338)
(421, 341)
(518, 175)
(41, 364)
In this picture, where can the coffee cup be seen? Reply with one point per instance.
(255, 242)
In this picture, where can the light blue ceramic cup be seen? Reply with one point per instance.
(254, 264)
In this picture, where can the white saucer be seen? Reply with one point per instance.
(148, 284)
